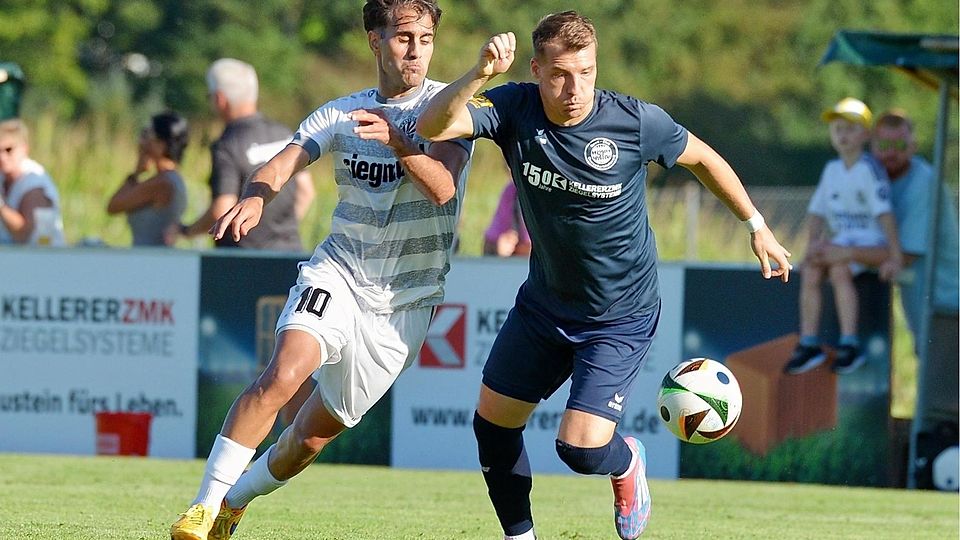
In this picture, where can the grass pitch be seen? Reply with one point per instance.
(54, 497)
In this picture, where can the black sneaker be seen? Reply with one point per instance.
(804, 359)
(848, 359)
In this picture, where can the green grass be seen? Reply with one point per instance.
(52, 497)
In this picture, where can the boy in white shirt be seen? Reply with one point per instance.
(850, 207)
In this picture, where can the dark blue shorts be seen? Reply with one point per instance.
(533, 355)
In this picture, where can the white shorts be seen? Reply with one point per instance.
(365, 352)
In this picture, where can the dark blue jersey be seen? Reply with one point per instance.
(582, 192)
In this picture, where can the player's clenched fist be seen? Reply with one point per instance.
(497, 55)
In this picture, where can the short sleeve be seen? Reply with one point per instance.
(662, 138)
(315, 134)
(226, 176)
(491, 110)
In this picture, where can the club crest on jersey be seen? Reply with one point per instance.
(601, 153)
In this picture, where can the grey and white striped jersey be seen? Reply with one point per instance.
(393, 245)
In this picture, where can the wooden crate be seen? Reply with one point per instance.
(776, 405)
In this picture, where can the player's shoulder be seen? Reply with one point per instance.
(349, 102)
(513, 90)
(626, 106)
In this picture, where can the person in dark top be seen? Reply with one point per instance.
(590, 305)
(248, 141)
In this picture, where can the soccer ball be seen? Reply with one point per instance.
(699, 400)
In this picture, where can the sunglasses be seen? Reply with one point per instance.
(898, 145)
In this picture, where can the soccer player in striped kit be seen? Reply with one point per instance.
(590, 305)
(360, 309)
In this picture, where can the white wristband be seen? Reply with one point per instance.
(755, 223)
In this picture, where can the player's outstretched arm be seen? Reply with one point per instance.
(263, 186)
(716, 174)
(446, 116)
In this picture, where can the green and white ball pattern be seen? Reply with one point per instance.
(699, 400)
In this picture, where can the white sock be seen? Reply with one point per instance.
(226, 463)
(258, 480)
(529, 535)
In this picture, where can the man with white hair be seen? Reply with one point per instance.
(248, 141)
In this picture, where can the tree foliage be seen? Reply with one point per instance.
(743, 74)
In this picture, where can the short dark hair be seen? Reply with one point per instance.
(172, 129)
(570, 29)
(377, 14)
(895, 119)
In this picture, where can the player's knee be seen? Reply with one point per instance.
(582, 460)
(276, 386)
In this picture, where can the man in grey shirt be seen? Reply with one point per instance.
(249, 140)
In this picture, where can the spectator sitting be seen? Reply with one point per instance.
(507, 235)
(29, 202)
(852, 204)
(155, 203)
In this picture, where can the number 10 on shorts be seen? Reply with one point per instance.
(313, 300)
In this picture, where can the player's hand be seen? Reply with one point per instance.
(497, 55)
(238, 221)
(766, 247)
(373, 125)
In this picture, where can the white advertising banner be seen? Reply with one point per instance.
(434, 400)
(100, 330)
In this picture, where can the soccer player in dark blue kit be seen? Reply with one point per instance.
(590, 305)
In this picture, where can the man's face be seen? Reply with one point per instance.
(893, 148)
(403, 50)
(567, 81)
(12, 152)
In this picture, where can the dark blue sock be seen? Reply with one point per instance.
(612, 458)
(506, 470)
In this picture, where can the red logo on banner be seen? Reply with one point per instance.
(445, 346)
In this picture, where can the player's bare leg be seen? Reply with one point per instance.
(254, 412)
(498, 425)
(289, 411)
(301, 443)
(297, 355)
(312, 429)
(589, 444)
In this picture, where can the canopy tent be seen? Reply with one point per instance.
(933, 60)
